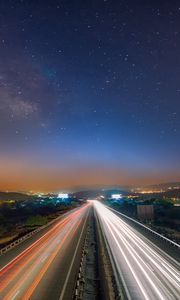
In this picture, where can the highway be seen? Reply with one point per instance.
(146, 271)
(48, 266)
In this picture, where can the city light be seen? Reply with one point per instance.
(116, 196)
(63, 196)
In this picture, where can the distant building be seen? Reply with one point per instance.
(145, 212)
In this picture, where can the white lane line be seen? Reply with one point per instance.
(44, 258)
(152, 256)
(140, 244)
(15, 295)
(148, 248)
(133, 253)
(64, 217)
(72, 262)
(115, 222)
(129, 265)
(142, 225)
(31, 246)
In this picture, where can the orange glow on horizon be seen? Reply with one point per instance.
(20, 175)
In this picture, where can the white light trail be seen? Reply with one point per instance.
(147, 271)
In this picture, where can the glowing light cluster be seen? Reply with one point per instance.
(63, 196)
(116, 196)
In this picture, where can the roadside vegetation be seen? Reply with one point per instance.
(20, 217)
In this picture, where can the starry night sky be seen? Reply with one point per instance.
(89, 93)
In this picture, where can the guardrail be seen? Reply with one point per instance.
(147, 228)
(80, 281)
(29, 234)
(20, 240)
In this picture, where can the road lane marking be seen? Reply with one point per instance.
(25, 251)
(23, 263)
(21, 281)
(33, 286)
(142, 225)
(15, 295)
(72, 262)
(44, 258)
(128, 238)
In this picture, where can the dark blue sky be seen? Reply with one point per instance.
(89, 93)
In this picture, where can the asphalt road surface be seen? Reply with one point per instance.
(147, 272)
(47, 267)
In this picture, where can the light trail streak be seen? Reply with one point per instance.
(26, 251)
(147, 271)
(147, 228)
(38, 278)
(29, 271)
(19, 264)
(72, 262)
(20, 277)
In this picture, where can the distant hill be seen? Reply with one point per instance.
(99, 187)
(165, 185)
(96, 193)
(13, 196)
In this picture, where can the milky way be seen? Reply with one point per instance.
(89, 93)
